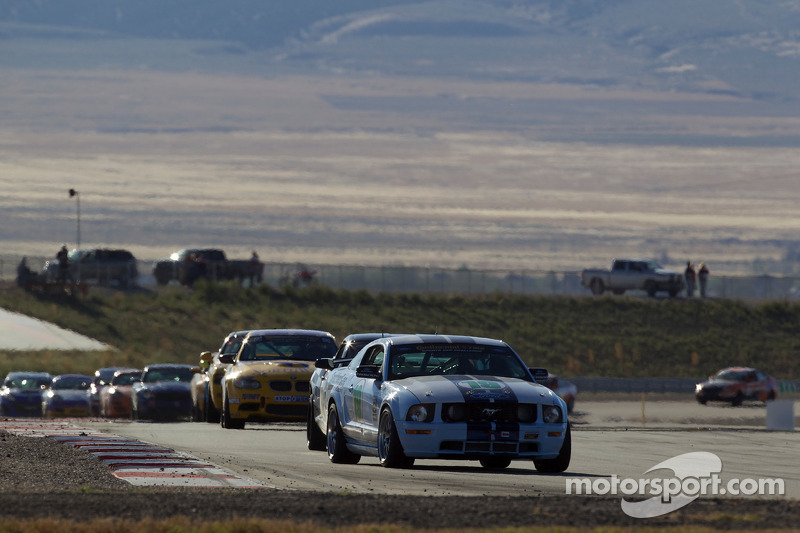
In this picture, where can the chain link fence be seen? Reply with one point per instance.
(444, 280)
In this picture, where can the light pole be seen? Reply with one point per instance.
(73, 192)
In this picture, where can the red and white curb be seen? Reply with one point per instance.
(138, 463)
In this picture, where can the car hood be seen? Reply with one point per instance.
(23, 393)
(271, 368)
(469, 388)
(167, 386)
(69, 395)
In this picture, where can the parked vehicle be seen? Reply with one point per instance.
(103, 266)
(163, 393)
(190, 264)
(21, 394)
(737, 384)
(269, 378)
(441, 397)
(115, 400)
(66, 396)
(633, 274)
(207, 386)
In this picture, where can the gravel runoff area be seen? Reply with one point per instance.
(41, 478)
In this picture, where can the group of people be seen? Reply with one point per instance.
(693, 277)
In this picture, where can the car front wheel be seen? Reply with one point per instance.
(390, 450)
(561, 462)
(226, 420)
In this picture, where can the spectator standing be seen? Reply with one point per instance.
(63, 265)
(702, 277)
(690, 277)
(255, 268)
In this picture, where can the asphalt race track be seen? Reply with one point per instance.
(610, 438)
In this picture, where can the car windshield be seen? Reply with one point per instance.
(455, 359)
(126, 379)
(28, 382)
(729, 375)
(157, 375)
(77, 383)
(231, 347)
(296, 347)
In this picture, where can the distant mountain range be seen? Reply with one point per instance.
(744, 48)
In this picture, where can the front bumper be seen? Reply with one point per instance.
(465, 441)
(257, 407)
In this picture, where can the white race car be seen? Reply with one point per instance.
(440, 397)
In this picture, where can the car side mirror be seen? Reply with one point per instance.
(324, 363)
(368, 372)
(539, 375)
(205, 360)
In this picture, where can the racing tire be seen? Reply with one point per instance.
(495, 463)
(225, 418)
(737, 400)
(597, 286)
(390, 449)
(561, 462)
(315, 438)
(211, 413)
(650, 288)
(336, 444)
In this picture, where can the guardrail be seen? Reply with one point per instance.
(456, 281)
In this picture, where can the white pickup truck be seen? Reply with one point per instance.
(633, 274)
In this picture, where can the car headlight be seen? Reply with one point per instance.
(526, 412)
(454, 412)
(551, 414)
(422, 412)
(246, 383)
(698, 387)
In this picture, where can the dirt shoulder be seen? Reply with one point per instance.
(44, 479)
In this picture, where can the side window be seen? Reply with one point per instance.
(374, 357)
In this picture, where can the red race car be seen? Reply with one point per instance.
(737, 384)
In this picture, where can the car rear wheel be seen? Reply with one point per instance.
(226, 420)
(651, 288)
(561, 462)
(390, 450)
(337, 447)
(738, 399)
(495, 463)
(597, 286)
(315, 438)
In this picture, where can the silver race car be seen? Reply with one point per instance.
(440, 397)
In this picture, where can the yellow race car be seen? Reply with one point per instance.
(269, 378)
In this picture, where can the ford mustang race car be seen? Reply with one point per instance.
(268, 380)
(443, 397)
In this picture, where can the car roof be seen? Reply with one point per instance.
(444, 339)
(17, 374)
(288, 332)
(72, 376)
(368, 336)
(737, 369)
(167, 365)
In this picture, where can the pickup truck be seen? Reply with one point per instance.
(633, 274)
(189, 264)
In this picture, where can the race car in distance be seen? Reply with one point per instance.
(566, 391)
(164, 392)
(347, 350)
(21, 394)
(268, 379)
(441, 397)
(115, 400)
(66, 396)
(102, 377)
(207, 386)
(737, 384)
